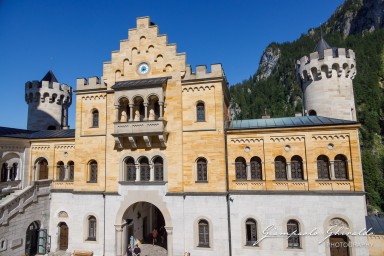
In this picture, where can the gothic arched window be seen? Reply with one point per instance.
(144, 169)
(323, 167)
(280, 168)
(158, 169)
(341, 167)
(297, 168)
(293, 234)
(130, 169)
(202, 170)
(256, 168)
(203, 233)
(93, 171)
(200, 112)
(95, 118)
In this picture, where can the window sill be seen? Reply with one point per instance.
(336, 180)
(293, 248)
(94, 182)
(249, 180)
(201, 181)
(290, 180)
(90, 239)
(203, 246)
(141, 183)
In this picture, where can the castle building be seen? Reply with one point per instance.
(154, 147)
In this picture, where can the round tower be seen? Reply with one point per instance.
(48, 102)
(326, 80)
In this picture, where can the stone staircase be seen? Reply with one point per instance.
(152, 250)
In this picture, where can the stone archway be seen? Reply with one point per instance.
(145, 215)
(31, 239)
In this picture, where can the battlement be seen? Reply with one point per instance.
(202, 73)
(92, 83)
(336, 62)
(42, 91)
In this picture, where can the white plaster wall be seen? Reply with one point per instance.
(312, 211)
(78, 207)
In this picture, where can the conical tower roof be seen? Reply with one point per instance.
(321, 46)
(50, 77)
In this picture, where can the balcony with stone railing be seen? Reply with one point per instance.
(148, 131)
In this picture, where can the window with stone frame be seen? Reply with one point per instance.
(241, 168)
(71, 167)
(341, 167)
(4, 172)
(130, 169)
(93, 171)
(95, 118)
(145, 173)
(92, 224)
(200, 112)
(297, 168)
(323, 167)
(203, 233)
(202, 169)
(293, 234)
(60, 171)
(256, 168)
(280, 168)
(251, 232)
(158, 169)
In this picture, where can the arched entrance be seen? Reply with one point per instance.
(339, 244)
(63, 236)
(136, 222)
(31, 239)
(141, 219)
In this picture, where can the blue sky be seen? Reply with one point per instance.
(75, 37)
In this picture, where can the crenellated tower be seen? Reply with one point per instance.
(48, 102)
(326, 80)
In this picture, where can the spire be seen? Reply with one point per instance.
(321, 46)
(50, 77)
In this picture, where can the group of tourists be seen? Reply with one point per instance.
(135, 252)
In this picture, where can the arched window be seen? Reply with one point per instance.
(93, 171)
(4, 172)
(203, 233)
(297, 168)
(95, 118)
(71, 167)
(341, 167)
(293, 234)
(145, 174)
(200, 112)
(251, 231)
(323, 167)
(241, 168)
(312, 112)
(280, 168)
(13, 171)
(92, 228)
(43, 169)
(159, 170)
(202, 169)
(60, 170)
(130, 169)
(256, 168)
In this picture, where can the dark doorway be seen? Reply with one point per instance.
(31, 239)
(339, 245)
(43, 172)
(63, 242)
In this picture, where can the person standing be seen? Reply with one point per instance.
(129, 250)
(154, 236)
(137, 250)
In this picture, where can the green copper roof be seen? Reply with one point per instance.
(284, 122)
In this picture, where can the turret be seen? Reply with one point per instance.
(326, 80)
(48, 102)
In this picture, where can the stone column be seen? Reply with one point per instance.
(131, 112)
(169, 240)
(137, 172)
(161, 105)
(289, 173)
(117, 113)
(125, 239)
(9, 173)
(119, 233)
(152, 172)
(332, 163)
(248, 171)
(37, 171)
(145, 111)
(66, 176)
(18, 173)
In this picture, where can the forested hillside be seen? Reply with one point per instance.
(357, 25)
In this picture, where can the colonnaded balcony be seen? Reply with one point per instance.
(139, 110)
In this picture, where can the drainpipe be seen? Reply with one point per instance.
(228, 194)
